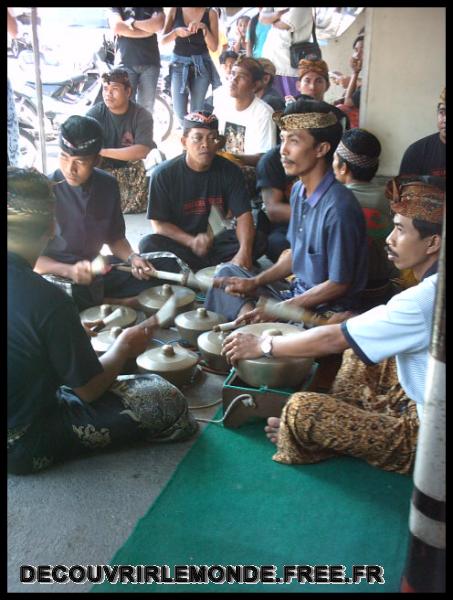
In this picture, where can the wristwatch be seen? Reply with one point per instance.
(266, 346)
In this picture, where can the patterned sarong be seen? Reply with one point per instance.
(133, 184)
(366, 415)
(136, 408)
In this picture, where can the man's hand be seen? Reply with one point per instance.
(242, 259)
(88, 326)
(135, 340)
(81, 272)
(236, 286)
(257, 315)
(238, 346)
(201, 243)
(141, 268)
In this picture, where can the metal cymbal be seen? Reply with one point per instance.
(192, 323)
(127, 317)
(152, 299)
(174, 363)
(273, 372)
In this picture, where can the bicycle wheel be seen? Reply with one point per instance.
(163, 119)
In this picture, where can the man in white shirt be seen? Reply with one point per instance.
(245, 120)
(375, 405)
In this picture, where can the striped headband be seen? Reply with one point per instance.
(360, 160)
(304, 120)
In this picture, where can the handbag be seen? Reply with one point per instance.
(307, 50)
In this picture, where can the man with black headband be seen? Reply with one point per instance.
(327, 231)
(181, 194)
(372, 410)
(88, 214)
(128, 138)
(64, 401)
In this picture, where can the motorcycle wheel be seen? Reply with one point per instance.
(163, 119)
(28, 152)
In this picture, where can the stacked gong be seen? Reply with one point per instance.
(273, 372)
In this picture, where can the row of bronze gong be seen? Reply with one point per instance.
(270, 379)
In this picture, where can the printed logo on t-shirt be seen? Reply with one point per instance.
(127, 139)
(201, 206)
(235, 137)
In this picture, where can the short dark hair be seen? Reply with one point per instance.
(363, 142)
(252, 66)
(228, 54)
(359, 38)
(426, 229)
(331, 134)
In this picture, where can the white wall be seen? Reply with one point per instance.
(404, 74)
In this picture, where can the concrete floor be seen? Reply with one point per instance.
(81, 512)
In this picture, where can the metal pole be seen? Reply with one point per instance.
(425, 564)
(42, 136)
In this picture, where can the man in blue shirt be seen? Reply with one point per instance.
(327, 230)
(375, 404)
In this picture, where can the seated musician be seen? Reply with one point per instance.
(372, 411)
(88, 215)
(64, 401)
(181, 194)
(327, 230)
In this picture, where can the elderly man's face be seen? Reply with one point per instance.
(442, 122)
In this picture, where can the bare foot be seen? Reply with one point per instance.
(271, 429)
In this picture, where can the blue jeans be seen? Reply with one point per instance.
(197, 86)
(143, 80)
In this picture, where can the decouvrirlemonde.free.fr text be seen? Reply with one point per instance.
(199, 574)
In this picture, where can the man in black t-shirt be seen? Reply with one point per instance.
(427, 156)
(275, 187)
(182, 192)
(136, 48)
(128, 138)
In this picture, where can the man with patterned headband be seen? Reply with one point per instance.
(327, 231)
(355, 163)
(128, 138)
(375, 404)
(88, 213)
(428, 155)
(64, 401)
(181, 194)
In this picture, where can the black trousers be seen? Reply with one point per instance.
(225, 246)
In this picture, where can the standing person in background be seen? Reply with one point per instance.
(12, 123)
(256, 35)
(427, 156)
(194, 31)
(136, 49)
(239, 44)
(223, 40)
(289, 25)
